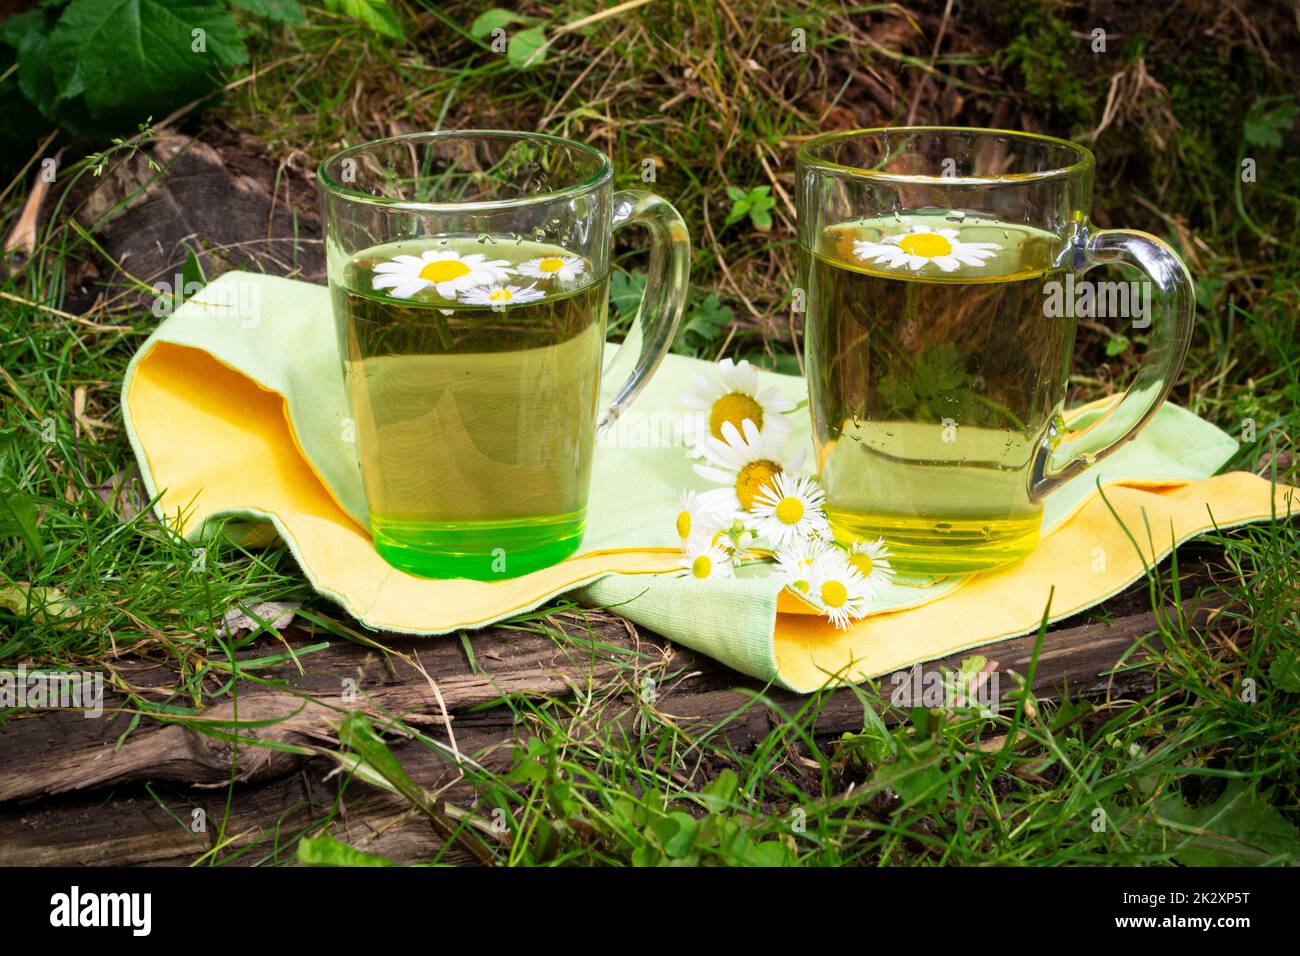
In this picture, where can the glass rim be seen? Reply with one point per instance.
(604, 171)
(1083, 158)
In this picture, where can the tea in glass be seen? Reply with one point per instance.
(475, 406)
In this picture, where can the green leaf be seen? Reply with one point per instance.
(1284, 673)
(42, 603)
(327, 851)
(703, 323)
(129, 59)
(720, 793)
(736, 194)
(375, 14)
(1237, 829)
(1116, 345)
(28, 34)
(916, 775)
(192, 272)
(739, 209)
(527, 48)
(285, 11)
(492, 19)
(18, 519)
(760, 206)
(769, 853)
(359, 735)
(625, 291)
(676, 833)
(1264, 127)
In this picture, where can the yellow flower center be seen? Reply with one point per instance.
(683, 524)
(501, 295)
(834, 594)
(702, 566)
(444, 270)
(862, 562)
(734, 407)
(927, 245)
(789, 511)
(752, 477)
(550, 264)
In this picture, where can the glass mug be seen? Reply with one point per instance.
(469, 274)
(940, 267)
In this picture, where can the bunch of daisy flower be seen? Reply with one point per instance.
(761, 498)
(474, 278)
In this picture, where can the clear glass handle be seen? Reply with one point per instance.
(661, 307)
(1065, 453)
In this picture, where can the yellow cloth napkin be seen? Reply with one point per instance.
(235, 408)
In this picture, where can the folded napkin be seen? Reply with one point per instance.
(236, 409)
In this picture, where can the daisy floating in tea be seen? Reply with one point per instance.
(923, 246)
(447, 272)
(500, 295)
(563, 268)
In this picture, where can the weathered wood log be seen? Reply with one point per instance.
(70, 794)
(220, 198)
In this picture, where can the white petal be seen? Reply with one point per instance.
(410, 289)
(776, 400)
(731, 435)
(713, 474)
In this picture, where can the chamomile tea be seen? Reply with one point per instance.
(934, 377)
(472, 365)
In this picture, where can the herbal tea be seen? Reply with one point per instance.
(473, 366)
(934, 377)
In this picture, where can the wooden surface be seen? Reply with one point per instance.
(70, 793)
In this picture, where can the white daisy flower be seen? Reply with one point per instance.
(790, 507)
(922, 246)
(704, 560)
(448, 272)
(838, 589)
(502, 295)
(694, 517)
(871, 558)
(744, 460)
(733, 395)
(795, 560)
(564, 268)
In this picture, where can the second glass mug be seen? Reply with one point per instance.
(939, 266)
(469, 274)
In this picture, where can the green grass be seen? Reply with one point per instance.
(1178, 775)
